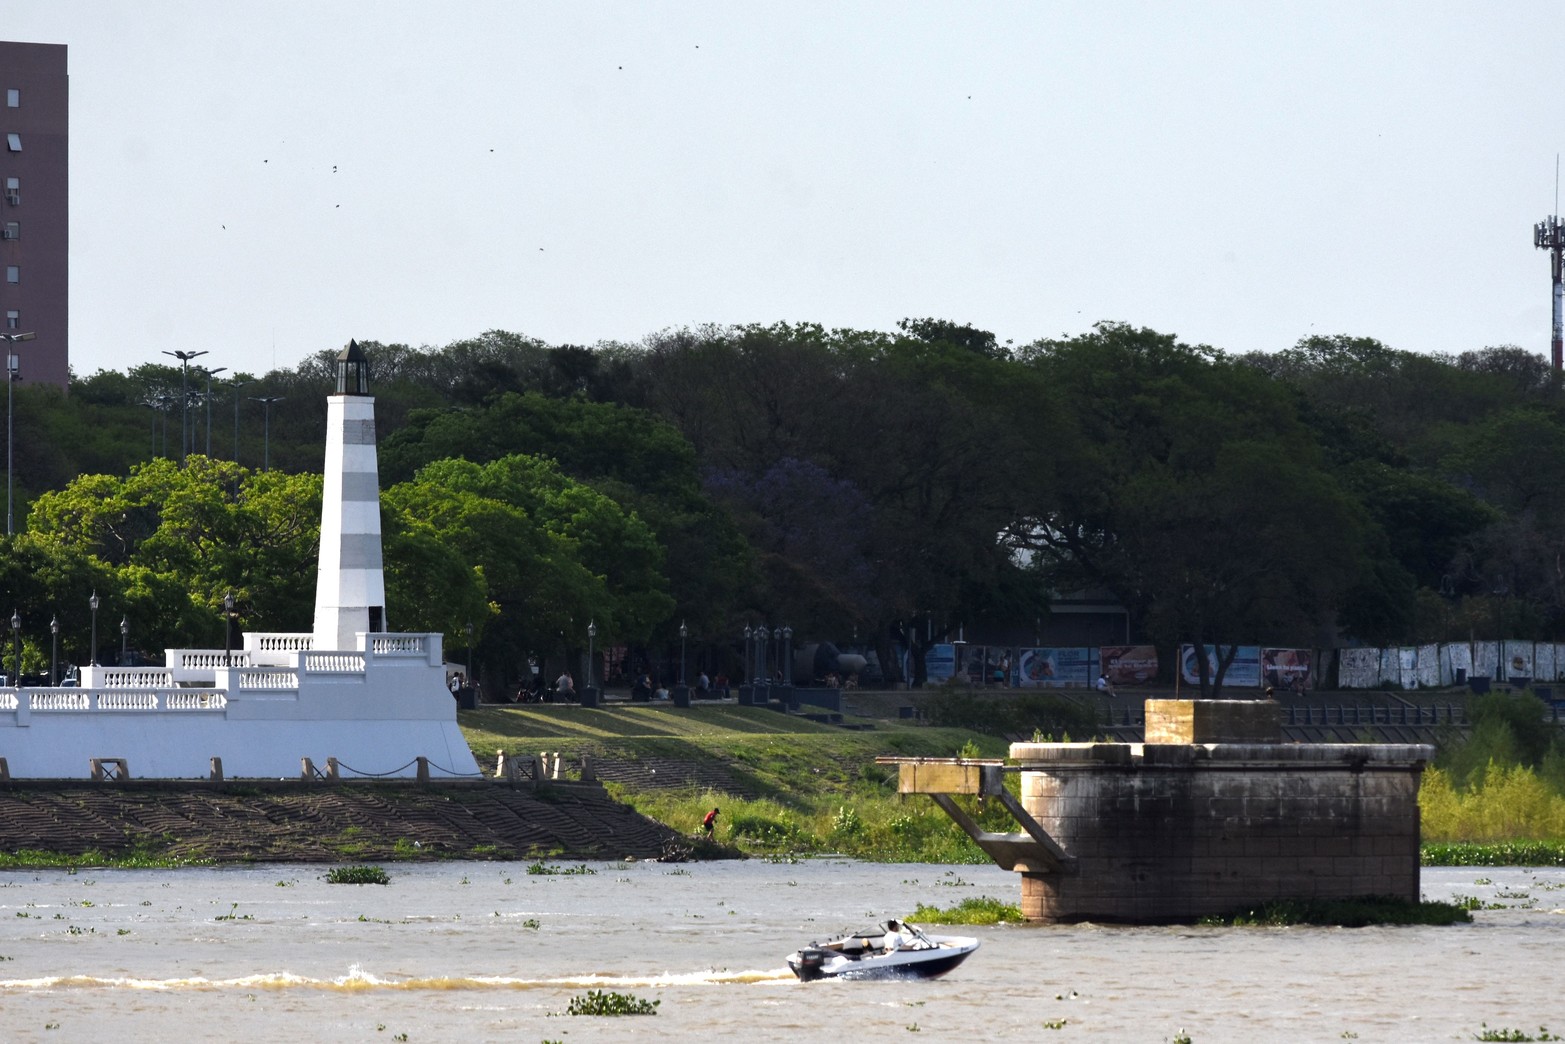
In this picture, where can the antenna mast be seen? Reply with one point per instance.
(1549, 234)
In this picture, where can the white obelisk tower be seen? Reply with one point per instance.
(350, 587)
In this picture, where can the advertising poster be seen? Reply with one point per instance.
(1128, 664)
(1287, 670)
(1056, 667)
(1243, 673)
(940, 663)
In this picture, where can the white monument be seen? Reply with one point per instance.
(349, 699)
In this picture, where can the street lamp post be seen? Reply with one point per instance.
(54, 652)
(228, 629)
(209, 375)
(266, 451)
(683, 631)
(13, 373)
(92, 603)
(238, 387)
(592, 634)
(184, 395)
(787, 655)
(747, 674)
(16, 649)
(124, 640)
(468, 671)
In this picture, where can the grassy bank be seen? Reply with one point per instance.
(785, 785)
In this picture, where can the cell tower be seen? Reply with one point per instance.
(1549, 234)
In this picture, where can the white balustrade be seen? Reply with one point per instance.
(272, 681)
(185, 700)
(59, 701)
(134, 678)
(399, 644)
(334, 662)
(124, 701)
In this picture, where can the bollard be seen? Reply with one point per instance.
(500, 768)
(423, 769)
(331, 769)
(5, 770)
(215, 772)
(588, 773)
(555, 773)
(306, 769)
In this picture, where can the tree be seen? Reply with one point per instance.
(1184, 483)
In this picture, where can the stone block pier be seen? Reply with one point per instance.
(1211, 815)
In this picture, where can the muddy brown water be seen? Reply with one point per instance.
(486, 951)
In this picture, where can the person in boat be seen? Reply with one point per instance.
(894, 938)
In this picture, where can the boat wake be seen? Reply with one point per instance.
(358, 980)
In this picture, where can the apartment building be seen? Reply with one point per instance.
(35, 208)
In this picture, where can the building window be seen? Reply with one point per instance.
(13, 319)
(13, 273)
(13, 98)
(13, 142)
(13, 191)
(12, 230)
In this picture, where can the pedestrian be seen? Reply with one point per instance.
(703, 685)
(1105, 686)
(709, 824)
(565, 687)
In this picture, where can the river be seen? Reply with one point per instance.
(488, 952)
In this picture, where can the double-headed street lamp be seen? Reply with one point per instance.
(184, 395)
(54, 652)
(92, 603)
(124, 640)
(266, 401)
(13, 373)
(209, 375)
(592, 633)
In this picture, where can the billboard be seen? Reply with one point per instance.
(940, 663)
(1287, 670)
(1055, 667)
(1243, 673)
(1128, 664)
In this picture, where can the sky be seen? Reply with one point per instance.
(265, 179)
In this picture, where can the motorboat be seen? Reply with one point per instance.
(896, 950)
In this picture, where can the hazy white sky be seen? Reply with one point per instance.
(264, 179)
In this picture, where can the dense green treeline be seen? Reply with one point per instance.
(888, 486)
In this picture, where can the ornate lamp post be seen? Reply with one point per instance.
(592, 634)
(787, 655)
(92, 603)
(683, 631)
(54, 652)
(747, 673)
(184, 395)
(16, 648)
(124, 640)
(228, 629)
(468, 671)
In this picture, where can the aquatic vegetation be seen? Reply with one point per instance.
(1493, 853)
(541, 869)
(362, 874)
(972, 910)
(1345, 913)
(607, 1002)
(1514, 1034)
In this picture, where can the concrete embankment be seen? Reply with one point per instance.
(301, 822)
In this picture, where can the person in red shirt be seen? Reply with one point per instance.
(709, 824)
